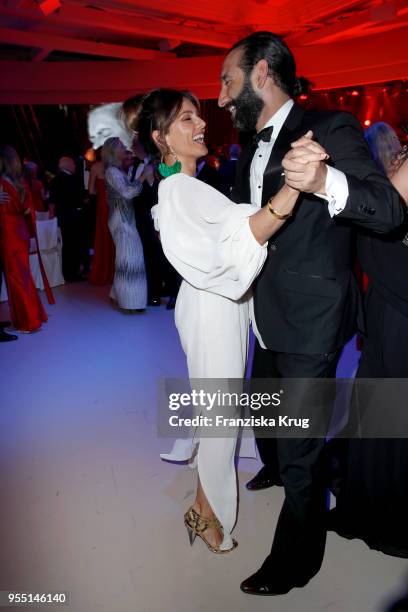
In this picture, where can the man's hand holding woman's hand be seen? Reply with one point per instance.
(304, 165)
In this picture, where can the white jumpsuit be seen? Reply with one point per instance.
(207, 239)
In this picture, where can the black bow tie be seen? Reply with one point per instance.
(264, 135)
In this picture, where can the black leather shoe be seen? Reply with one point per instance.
(4, 337)
(171, 304)
(263, 480)
(154, 301)
(4, 324)
(257, 585)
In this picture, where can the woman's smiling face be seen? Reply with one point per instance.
(186, 134)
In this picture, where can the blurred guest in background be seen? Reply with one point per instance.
(372, 493)
(162, 278)
(129, 288)
(143, 203)
(384, 145)
(228, 169)
(82, 171)
(67, 200)
(26, 310)
(37, 189)
(103, 263)
(208, 174)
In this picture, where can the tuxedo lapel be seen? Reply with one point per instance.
(290, 131)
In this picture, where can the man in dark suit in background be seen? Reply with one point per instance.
(151, 244)
(208, 174)
(305, 299)
(67, 200)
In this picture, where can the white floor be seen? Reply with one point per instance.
(88, 507)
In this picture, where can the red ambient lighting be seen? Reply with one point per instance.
(355, 92)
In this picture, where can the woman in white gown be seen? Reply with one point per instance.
(218, 248)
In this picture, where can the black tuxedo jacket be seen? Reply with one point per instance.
(67, 193)
(306, 299)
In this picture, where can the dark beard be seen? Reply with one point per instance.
(248, 107)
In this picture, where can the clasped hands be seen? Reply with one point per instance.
(304, 165)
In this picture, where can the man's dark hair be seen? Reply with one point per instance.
(281, 63)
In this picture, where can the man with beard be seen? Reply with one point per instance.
(305, 299)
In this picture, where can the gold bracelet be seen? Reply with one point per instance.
(276, 214)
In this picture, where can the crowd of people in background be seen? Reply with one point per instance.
(102, 202)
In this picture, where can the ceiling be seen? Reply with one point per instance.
(138, 38)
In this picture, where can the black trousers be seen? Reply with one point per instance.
(300, 536)
(172, 280)
(75, 248)
(152, 251)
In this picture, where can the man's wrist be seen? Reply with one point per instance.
(290, 191)
(322, 187)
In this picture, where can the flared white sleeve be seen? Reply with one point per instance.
(206, 237)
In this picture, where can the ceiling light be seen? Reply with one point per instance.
(47, 7)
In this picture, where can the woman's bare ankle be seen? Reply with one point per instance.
(203, 510)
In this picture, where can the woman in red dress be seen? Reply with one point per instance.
(103, 263)
(26, 310)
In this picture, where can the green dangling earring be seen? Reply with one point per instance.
(166, 170)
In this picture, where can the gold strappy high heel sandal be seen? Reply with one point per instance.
(196, 525)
